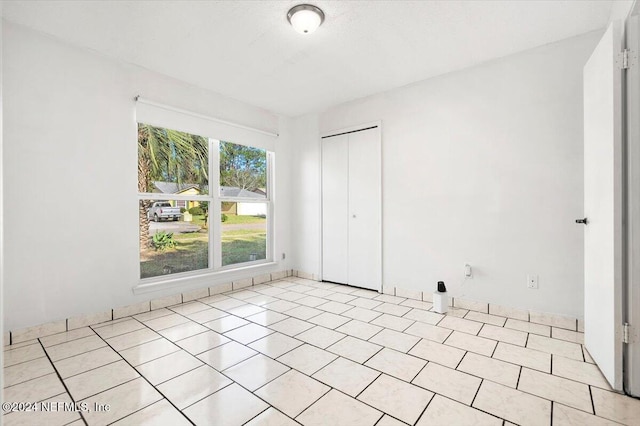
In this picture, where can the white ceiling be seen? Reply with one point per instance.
(248, 51)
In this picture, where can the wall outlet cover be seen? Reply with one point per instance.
(532, 281)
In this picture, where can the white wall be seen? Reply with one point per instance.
(70, 180)
(305, 195)
(483, 166)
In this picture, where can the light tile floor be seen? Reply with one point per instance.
(295, 351)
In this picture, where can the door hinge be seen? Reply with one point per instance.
(625, 332)
(626, 59)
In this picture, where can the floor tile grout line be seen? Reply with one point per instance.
(368, 359)
(460, 362)
(150, 405)
(411, 348)
(94, 368)
(329, 328)
(318, 399)
(564, 378)
(494, 349)
(9, 348)
(157, 310)
(22, 362)
(593, 404)
(519, 374)
(62, 381)
(259, 414)
(379, 409)
(206, 396)
(352, 397)
(171, 378)
(480, 329)
(69, 341)
(261, 386)
(477, 392)
(418, 373)
(149, 383)
(414, 346)
(425, 408)
(235, 363)
(471, 405)
(127, 332)
(78, 354)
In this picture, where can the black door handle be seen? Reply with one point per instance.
(584, 221)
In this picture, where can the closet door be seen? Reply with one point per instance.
(364, 240)
(335, 201)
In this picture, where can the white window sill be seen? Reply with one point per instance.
(203, 279)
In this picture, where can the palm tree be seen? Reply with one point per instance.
(168, 155)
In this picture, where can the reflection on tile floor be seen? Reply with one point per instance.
(296, 351)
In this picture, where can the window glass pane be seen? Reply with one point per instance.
(243, 171)
(172, 162)
(244, 232)
(173, 239)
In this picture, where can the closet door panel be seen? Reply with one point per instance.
(364, 242)
(335, 201)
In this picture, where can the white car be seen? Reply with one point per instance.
(163, 210)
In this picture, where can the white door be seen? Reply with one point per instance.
(351, 209)
(365, 254)
(335, 209)
(603, 206)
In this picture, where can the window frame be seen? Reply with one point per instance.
(215, 226)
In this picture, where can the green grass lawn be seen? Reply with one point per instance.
(192, 252)
(238, 246)
(234, 219)
(189, 254)
(231, 220)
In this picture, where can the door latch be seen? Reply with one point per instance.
(583, 221)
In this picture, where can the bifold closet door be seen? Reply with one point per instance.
(365, 252)
(335, 204)
(351, 209)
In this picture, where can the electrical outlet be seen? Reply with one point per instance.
(532, 281)
(468, 272)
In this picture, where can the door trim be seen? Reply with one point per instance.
(631, 162)
(351, 129)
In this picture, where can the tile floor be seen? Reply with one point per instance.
(296, 351)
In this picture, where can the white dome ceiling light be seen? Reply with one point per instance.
(305, 18)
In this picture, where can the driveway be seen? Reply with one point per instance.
(175, 227)
(184, 227)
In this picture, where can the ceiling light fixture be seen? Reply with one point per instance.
(305, 18)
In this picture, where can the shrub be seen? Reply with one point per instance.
(182, 210)
(196, 211)
(224, 217)
(163, 240)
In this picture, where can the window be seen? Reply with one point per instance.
(243, 195)
(178, 196)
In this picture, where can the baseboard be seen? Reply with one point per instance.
(72, 323)
(13, 337)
